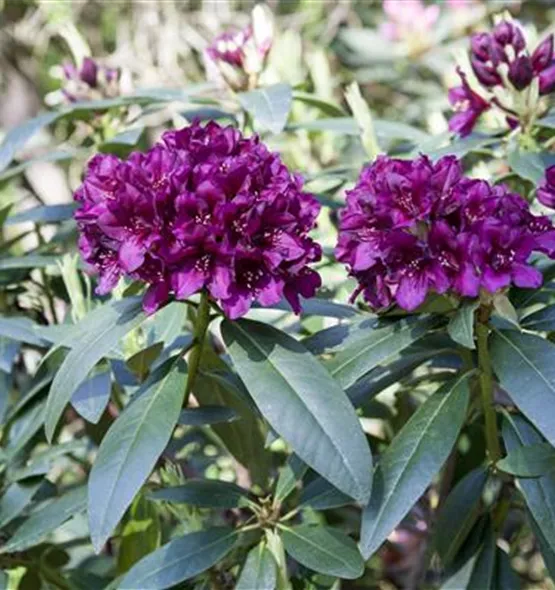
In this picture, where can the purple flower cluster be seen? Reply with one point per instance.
(90, 81)
(411, 226)
(501, 59)
(206, 208)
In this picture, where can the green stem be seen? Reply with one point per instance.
(486, 386)
(199, 335)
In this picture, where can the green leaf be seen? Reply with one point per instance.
(52, 156)
(542, 320)
(140, 363)
(372, 346)
(131, 448)
(21, 329)
(92, 396)
(319, 307)
(93, 338)
(243, 438)
(319, 494)
(17, 137)
(180, 559)
(141, 534)
(269, 106)
(484, 568)
(43, 214)
(323, 550)
(328, 108)
(411, 461)
(203, 493)
(29, 261)
(505, 577)
(461, 325)
(313, 415)
(47, 519)
(259, 571)
(531, 461)
(548, 553)
(292, 472)
(528, 165)
(206, 415)
(459, 514)
(539, 493)
(15, 499)
(525, 368)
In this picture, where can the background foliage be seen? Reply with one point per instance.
(264, 480)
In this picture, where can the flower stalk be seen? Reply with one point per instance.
(486, 386)
(199, 336)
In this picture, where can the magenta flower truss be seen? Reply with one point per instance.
(204, 209)
(414, 226)
(504, 67)
(90, 81)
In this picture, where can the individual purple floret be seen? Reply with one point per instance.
(546, 189)
(204, 209)
(415, 226)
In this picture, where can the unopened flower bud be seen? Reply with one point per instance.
(547, 80)
(543, 55)
(486, 74)
(521, 72)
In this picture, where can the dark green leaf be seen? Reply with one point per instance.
(530, 461)
(243, 438)
(319, 307)
(412, 460)
(15, 499)
(484, 569)
(528, 165)
(525, 367)
(204, 493)
(328, 108)
(372, 346)
(141, 362)
(292, 472)
(92, 396)
(539, 493)
(47, 519)
(140, 535)
(461, 325)
(313, 415)
(323, 550)
(17, 137)
(21, 329)
(259, 571)
(542, 320)
(319, 494)
(181, 559)
(43, 214)
(93, 338)
(505, 577)
(29, 261)
(268, 106)
(131, 448)
(459, 514)
(204, 415)
(548, 553)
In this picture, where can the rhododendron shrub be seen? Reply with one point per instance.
(270, 329)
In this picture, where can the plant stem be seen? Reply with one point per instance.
(486, 386)
(199, 335)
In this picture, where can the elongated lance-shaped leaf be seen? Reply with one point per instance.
(259, 570)
(525, 368)
(461, 325)
(372, 346)
(47, 519)
(324, 550)
(268, 106)
(180, 559)
(302, 403)
(539, 493)
(93, 338)
(412, 460)
(132, 446)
